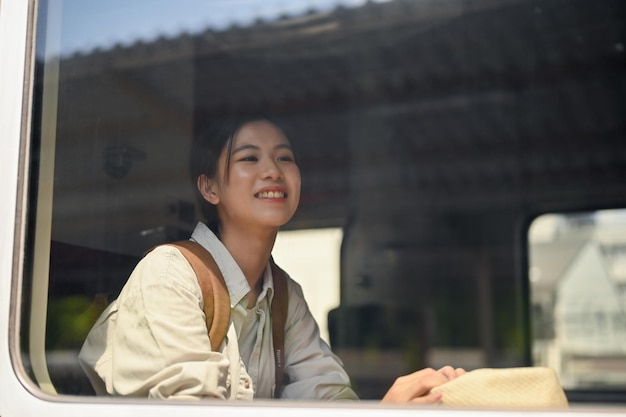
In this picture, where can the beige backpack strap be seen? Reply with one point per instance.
(214, 291)
(279, 318)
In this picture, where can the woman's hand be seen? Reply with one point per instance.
(415, 387)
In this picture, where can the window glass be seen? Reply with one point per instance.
(313, 257)
(578, 277)
(426, 132)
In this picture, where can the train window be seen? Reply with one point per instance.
(314, 257)
(426, 133)
(578, 279)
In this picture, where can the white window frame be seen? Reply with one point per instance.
(19, 395)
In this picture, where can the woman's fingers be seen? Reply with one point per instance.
(432, 398)
(415, 387)
(448, 372)
(410, 388)
(451, 373)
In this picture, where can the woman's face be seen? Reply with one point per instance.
(262, 188)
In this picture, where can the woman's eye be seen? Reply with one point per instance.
(249, 158)
(286, 158)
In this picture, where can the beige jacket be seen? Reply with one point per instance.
(152, 341)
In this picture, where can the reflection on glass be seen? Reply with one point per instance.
(578, 284)
(102, 25)
(423, 131)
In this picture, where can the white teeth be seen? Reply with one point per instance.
(271, 194)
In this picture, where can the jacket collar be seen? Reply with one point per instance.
(235, 280)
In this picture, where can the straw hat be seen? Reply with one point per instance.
(531, 387)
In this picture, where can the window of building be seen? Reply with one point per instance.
(578, 282)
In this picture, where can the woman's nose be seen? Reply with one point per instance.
(271, 169)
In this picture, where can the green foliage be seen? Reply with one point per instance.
(69, 321)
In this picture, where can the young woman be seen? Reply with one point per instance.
(152, 341)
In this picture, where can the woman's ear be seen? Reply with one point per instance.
(208, 189)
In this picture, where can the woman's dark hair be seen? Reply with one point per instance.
(206, 148)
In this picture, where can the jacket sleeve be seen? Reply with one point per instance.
(156, 337)
(313, 371)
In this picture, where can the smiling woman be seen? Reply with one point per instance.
(137, 345)
(260, 163)
(248, 147)
(246, 174)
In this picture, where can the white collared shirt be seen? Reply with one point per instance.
(152, 341)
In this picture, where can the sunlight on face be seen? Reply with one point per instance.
(262, 185)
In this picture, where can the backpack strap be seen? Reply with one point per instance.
(279, 318)
(217, 303)
(214, 291)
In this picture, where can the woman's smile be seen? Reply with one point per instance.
(271, 194)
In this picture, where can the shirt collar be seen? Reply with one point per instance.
(235, 280)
